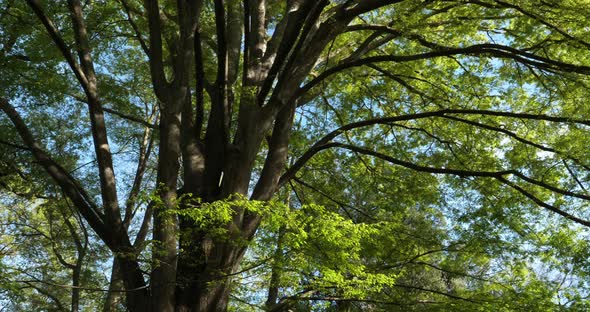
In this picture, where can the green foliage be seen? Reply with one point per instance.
(350, 232)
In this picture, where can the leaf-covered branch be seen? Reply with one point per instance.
(485, 49)
(501, 176)
(69, 185)
(324, 142)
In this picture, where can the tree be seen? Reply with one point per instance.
(432, 117)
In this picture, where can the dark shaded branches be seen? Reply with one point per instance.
(159, 81)
(447, 113)
(70, 186)
(84, 71)
(501, 176)
(135, 27)
(484, 49)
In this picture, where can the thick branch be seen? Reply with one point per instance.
(278, 150)
(277, 155)
(358, 7)
(82, 44)
(199, 83)
(296, 19)
(67, 183)
(257, 40)
(217, 134)
(487, 49)
(498, 175)
(278, 34)
(324, 142)
(99, 131)
(60, 43)
(156, 63)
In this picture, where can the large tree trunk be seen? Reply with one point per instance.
(207, 287)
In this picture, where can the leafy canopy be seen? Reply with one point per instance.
(437, 155)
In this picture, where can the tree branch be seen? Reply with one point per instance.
(145, 150)
(61, 45)
(498, 175)
(200, 82)
(14, 145)
(544, 22)
(117, 113)
(296, 18)
(494, 50)
(102, 150)
(518, 138)
(135, 28)
(217, 133)
(543, 204)
(156, 63)
(278, 150)
(67, 183)
(324, 142)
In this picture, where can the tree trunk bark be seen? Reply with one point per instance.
(275, 275)
(207, 286)
(113, 298)
(76, 273)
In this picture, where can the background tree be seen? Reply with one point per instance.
(371, 154)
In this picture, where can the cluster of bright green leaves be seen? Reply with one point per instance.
(320, 244)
